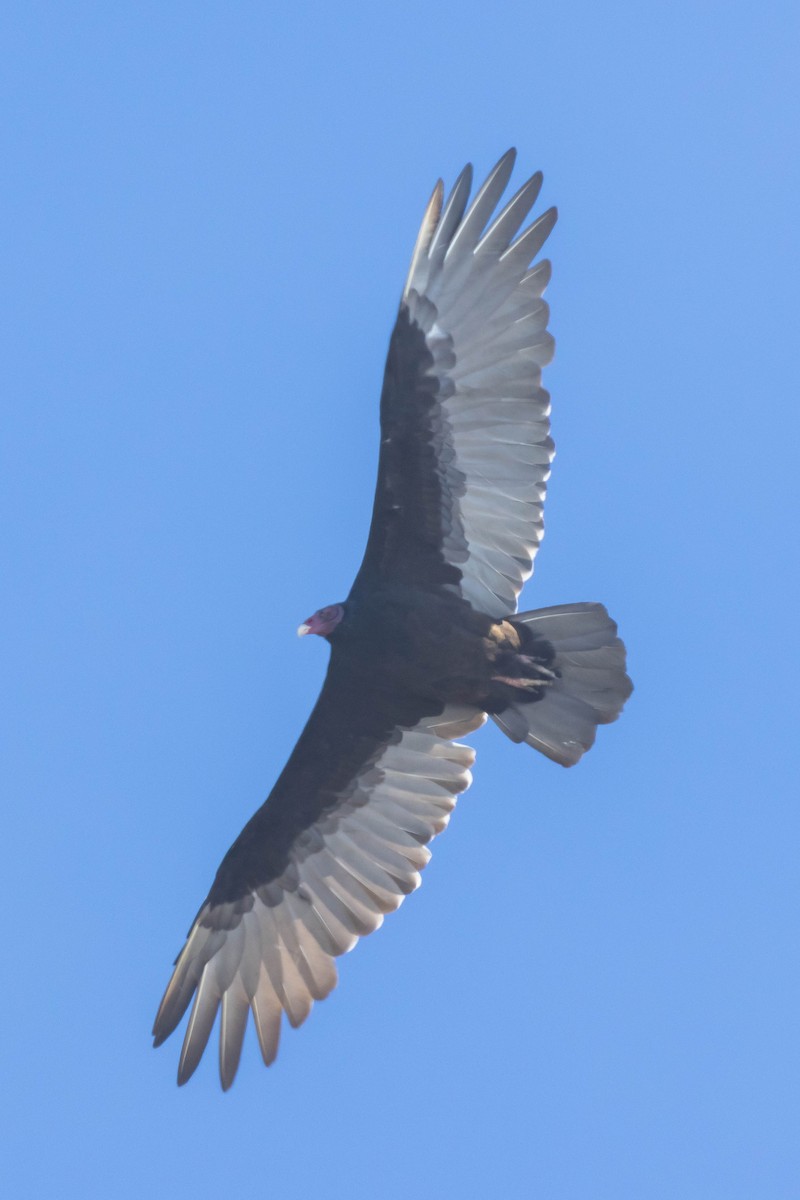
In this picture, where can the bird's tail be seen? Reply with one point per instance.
(588, 688)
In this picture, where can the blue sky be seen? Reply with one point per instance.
(208, 214)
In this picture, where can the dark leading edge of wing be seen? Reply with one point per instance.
(414, 507)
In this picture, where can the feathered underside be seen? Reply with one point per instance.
(465, 430)
(465, 456)
(312, 873)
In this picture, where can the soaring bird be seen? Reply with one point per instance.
(427, 644)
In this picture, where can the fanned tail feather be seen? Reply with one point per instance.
(590, 687)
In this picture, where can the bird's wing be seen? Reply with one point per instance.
(340, 841)
(465, 446)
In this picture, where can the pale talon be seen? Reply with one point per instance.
(523, 683)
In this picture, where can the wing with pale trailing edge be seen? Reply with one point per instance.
(465, 442)
(339, 843)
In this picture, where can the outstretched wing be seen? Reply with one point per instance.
(465, 446)
(340, 841)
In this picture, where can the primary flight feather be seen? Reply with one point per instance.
(427, 644)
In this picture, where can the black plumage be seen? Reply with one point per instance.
(427, 644)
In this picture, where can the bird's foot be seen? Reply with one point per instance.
(524, 683)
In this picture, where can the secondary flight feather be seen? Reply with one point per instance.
(426, 646)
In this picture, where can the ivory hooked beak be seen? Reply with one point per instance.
(303, 629)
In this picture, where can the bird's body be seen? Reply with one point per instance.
(426, 646)
(434, 650)
(432, 645)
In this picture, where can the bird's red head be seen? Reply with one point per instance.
(323, 622)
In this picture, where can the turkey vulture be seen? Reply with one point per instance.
(427, 644)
